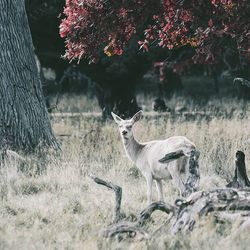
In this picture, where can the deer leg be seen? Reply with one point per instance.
(159, 189)
(149, 180)
(177, 180)
(179, 184)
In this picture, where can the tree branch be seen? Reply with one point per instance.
(125, 227)
(118, 196)
(147, 212)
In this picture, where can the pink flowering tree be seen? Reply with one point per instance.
(92, 27)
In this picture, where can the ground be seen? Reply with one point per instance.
(54, 204)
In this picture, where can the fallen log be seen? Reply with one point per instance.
(201, 203)
(224, 203)
(133, 228)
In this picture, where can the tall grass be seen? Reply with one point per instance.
(61, 207)
(83, 103)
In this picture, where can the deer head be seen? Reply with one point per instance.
(125, 126)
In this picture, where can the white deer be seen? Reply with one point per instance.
(158, 159)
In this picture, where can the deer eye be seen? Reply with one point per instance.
(129, 127)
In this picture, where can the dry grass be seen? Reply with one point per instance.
(61, 208)
(83, 103)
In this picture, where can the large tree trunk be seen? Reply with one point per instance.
(24, 121)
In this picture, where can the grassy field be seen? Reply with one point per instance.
(60, 207)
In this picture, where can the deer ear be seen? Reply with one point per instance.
(138, 116)
(116, 118)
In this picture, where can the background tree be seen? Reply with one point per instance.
(215, 31)
(107, 29)
(114, 78)
(24, 121)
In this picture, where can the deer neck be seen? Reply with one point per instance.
(132, 148)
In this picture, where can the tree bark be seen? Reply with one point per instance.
(118, 215)
(24, 121)
(240, 179)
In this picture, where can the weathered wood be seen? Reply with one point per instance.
(187, 212)
(172, 156)
(201, 203)
(125, 227)
(240, 179)
(229, 204)
(241, 218)
(193, 175)
(233, 216)
(133, 228)
(118, 196)
(193, 179)
(147, 212)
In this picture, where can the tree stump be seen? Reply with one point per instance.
(240, 179)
